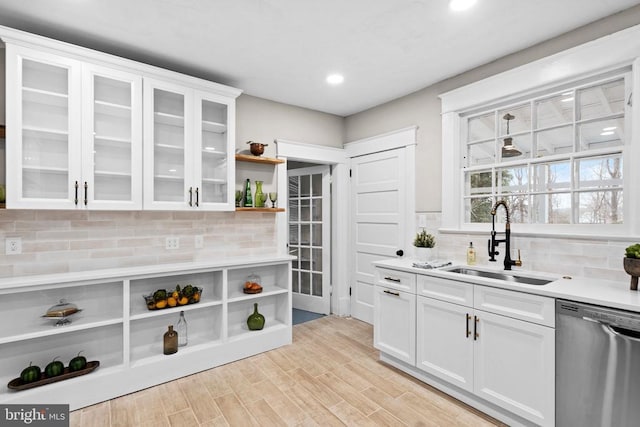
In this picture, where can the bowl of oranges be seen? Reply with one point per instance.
(163, 298)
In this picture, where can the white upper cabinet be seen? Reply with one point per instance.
(74, 133)
(188, 142)
(75, 124)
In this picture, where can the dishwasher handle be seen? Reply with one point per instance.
(623, 332)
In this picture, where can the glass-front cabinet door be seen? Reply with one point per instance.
(167, 112)
(74, 134)
(214, 169)
(112, 140)
(43, 129)
(187, 148)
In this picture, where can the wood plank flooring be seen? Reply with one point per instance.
(329, 376)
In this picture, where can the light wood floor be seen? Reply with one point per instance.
(329, 376)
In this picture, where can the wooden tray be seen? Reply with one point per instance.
(251, 291)
(17, 384)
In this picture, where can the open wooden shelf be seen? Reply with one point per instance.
(259, 209)
(258, 159)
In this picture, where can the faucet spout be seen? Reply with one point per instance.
(493, 243)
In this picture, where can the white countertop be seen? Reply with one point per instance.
(129, 272)
(606, 293)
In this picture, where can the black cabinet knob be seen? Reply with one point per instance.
(399, 252)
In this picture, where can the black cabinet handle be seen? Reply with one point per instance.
(190, 196)
(391, 279)
(85, 192)
(397, 294)
(197, 196)
(76, 197)
(468, 316)
(476, 319)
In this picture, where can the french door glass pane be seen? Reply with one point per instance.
(478, 209)
(552, 176)
(600, 172)
(169, 146)
(601, 134)
(554, 111)
(479, 183)
(481, 153)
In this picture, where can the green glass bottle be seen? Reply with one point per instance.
(259, 196)
(248, 200)
(255, 321)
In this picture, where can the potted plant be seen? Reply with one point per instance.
(632, 264)
(424, 243)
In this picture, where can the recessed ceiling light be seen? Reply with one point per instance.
(460, 5)
(567, 99)
(335, 79)
(607, 133)
(609, 128)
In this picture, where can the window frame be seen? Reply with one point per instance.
(585, 65)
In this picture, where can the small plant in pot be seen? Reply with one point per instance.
(632, 264)
(424, 243)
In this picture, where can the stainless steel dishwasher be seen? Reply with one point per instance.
(597, 366)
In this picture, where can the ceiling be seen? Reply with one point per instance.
(282, 50)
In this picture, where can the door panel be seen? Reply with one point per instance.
(309, 237)
(378, 193)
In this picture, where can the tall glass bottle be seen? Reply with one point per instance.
(182, 330)
(259, 196)
(248, 200)
(170, 341)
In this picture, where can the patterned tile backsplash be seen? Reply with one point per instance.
(63, 241)
(600, 259)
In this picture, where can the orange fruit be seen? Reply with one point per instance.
(183, 300)
(161, 304)
(196, 297)
(172, 301)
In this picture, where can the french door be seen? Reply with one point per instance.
(309, 237)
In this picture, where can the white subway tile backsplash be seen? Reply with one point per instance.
(63, 241)
(577, 256)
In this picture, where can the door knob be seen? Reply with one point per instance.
(399, 252)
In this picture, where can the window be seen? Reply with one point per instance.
(556, 158)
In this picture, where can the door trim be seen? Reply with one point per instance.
(340, 210)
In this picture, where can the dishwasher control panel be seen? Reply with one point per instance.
(609, 316)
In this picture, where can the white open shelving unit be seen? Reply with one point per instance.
(116, 328)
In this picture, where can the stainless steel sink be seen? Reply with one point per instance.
(507, 277)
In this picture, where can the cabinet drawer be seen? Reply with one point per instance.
(445, 290)
(518, 305)
(395, 279)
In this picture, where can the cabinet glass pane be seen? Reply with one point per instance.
(112, 145)
(45, 131)
(169, 146)
(214, 152)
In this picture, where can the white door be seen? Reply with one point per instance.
(445, 341)
(310, 237)
(378, 196)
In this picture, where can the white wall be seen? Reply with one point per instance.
(422, 108)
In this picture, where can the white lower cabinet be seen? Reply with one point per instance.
(116, 328)
(514, 366)
(394, 325)
(445, 341)
(496, 345)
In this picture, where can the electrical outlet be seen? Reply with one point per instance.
(172, 243)
(13, 245)
(198, 241)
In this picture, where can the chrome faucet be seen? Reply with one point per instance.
(493, 243)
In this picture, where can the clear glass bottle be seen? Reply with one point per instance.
(170, 341)
(182, 330)
(471, 254)
(248, 200)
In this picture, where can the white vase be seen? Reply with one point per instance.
(424, 254)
